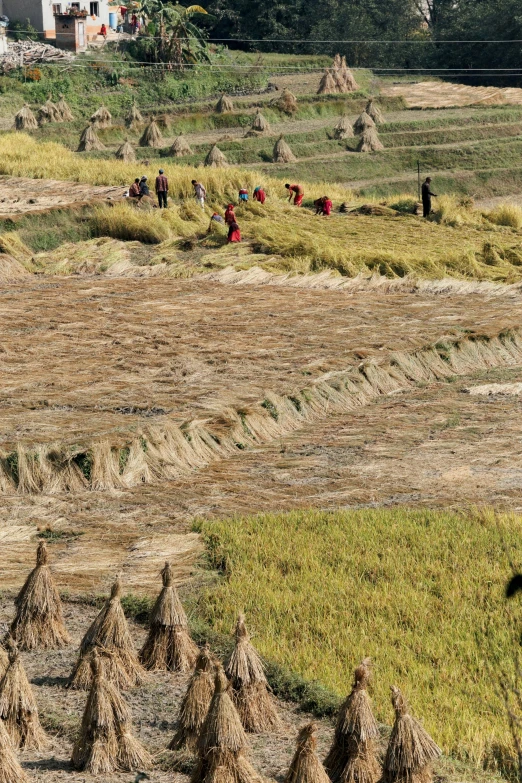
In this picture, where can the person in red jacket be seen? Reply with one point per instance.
(323, 206)
(259, 195)
(229, 214)
(234, 234)
(297, 192)
(103, 32)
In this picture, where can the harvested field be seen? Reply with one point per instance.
(21, 195)
(439, 95)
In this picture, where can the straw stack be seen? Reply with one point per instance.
(327, 84)
(4, 660)
(286, 102)
(343, 129)
(348, 77)
(64, 110)
(126, 152)
(362, 123)
(89, 140)
(10, 769)
(25, 119)
(38, 623)
(215, 158)
(411, 750)
(305, 766)
(260, 126)
(373, 111)
(152, 135)
(282, 152)
(250, 694)
(224, 105)
(48, 113)
(102, 118)
(134, 117)
(18, 709)
(180, 147)
(196, 703)
(370, 142)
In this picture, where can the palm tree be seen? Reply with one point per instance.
(175, 39)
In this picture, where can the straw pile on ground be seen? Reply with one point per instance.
(106, 743)
(343, 129)
(305, 766)
(110, 633)
(342, 76)
(152, 135)
(362, 123)
(89, 141)
(327, 84)
(348, 77)
(282, 152)
(260, 125)
(38, 623)
(18, 709)
(411, 750)
(126, 152)
(215, 158)
(64, 109)
(48, 113)
(196, 703)
(222, 742)
(180, 147)
(286, 102)
(370, 142)
(224, 104)
(169, 646)
(352, 757)
(250, 694)
(10, 769)
(102, 118)
(134, 117)
(25, 119)
(373, 111)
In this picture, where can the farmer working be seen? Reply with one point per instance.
(296, 191)
(426, 197)
(200, 193)
(162, 189)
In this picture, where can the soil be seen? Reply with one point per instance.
(21, 195)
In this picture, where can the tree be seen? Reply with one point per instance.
(172, 36)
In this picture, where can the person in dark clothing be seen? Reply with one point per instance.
(144, 188)
(426, 197)
(162, 189)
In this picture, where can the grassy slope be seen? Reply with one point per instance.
(419, 591)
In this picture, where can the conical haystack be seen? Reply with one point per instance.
(222, 742)
(348, 77)
(89, 140)
(352, 757)
(373, 111)
(106, 743)
(337, 62)
(224, 104)
(110, 633)
(48, 113)
(38, 623)
(215, 158)
(134, 117)
(180, 147)
(196, 702)
(370, 141)
(343, 129)
(260, 126)
(126, 152)
(249, 685)
(169, 645)
(25, 119)
(327, 84)
(10, 769)
(102, 118)
(305, 766)
(282, 152)
(18, 709)
(340, 82)
(152, 135)
(362, 123)
(411, 750)
(286, 102)
(64, 110)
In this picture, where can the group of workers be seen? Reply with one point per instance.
(140, 189)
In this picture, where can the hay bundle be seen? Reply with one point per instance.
(89, 140)
(282, 152)
(25, 119)
(249, 685)
(411, 750)
(196, 702)
(18, 710)
(327, 84)
(260, 125)
(352, 757)
(48, 113)
(102, 117)
(10, 769)
(348, 77)
(151, 135)
(180, 147)
(373, 111)
(337, 62)
(126, 152)
(305, 766)
(110, 633)
(343, 129)
(215, 158)
(64, 110)
(38, 623)
(106, 742)
(340, 82)
(222, 742)
(370, 142)
(4, 660)
(168, 645)
(362, 123)
(134, 117)
(224, 104)
(286, 102)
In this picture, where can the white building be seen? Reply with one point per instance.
(41, 13)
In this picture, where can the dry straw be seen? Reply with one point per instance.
(348, 77)
(18, 709)
(106, 743)
(352, 757)
(48, 113)
(38, 623)
(169, 645)
(250, 694)
(370, 141)
(305, 766)
(224, 104)
(282, 152)
(411, 750)
(215, 158)
(286, 102)
(327, 84)
(260, 125)
(373, 111)
(362, 123)
(343, 129)
(126, 152)
(152, 135)
(64, 110)
(4, 660)
(102, 117)
(109, 633)
(222, 742)
(10, 769)
(196, 703)
(340, 82)
(25, 119)
(180, 147)
(134, 117)
(89, 141)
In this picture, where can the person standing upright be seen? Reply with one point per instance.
(199, 192)
(162, 189)
(426, 197)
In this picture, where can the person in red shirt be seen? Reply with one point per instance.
(259, 195)
(297, 192)
(103, 31)
(134, 190)
(229, 215)
(162, 189)
(327, 206)
(234, 234)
